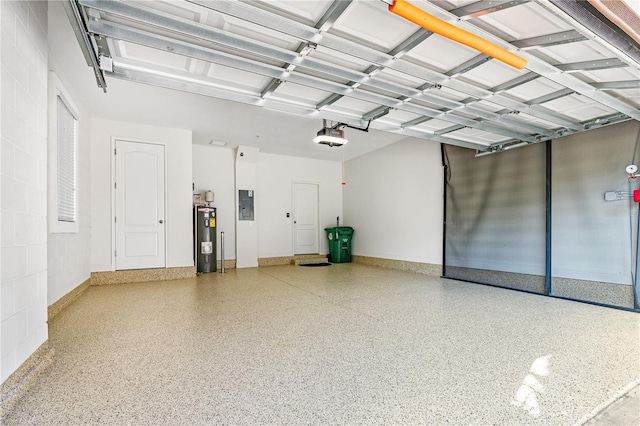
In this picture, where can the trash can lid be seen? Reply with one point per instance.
(342, 230)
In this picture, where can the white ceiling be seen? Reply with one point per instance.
(252, 83)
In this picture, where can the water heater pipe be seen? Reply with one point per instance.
(438, 26)
(222, 252)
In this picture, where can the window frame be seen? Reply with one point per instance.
(57, 90)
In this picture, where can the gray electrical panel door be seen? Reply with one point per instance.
(205, 238)
(245, 204)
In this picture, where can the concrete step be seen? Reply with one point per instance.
(309, 258)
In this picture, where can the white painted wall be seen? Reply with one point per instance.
(394, 201)
(23, 171)
(68, 254)
(276, 174)
(213, 169)
(178, 151)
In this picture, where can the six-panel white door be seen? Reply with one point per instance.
(139, 205)
(305, 218)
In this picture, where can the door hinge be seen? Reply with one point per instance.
(115, 185)
(115, 253)
(114, 151)
(115, 219)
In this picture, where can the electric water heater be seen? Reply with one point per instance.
(204, 225)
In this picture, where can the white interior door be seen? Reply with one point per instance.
(139, 205)
(305, 218)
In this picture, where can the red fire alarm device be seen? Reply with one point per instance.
(636, 195)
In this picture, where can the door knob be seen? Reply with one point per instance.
(161, 221)
(295, 221)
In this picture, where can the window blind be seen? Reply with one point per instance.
(66, 163)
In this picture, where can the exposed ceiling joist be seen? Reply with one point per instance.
(549, 40)
(332, 14)
(467, 66)
(625, 84)
(600, 64)
(518, 81)
(551, 97)
(481, 8)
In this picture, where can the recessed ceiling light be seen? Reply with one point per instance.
(217, 142)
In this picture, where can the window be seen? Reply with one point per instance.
(66, 163)
(63, 159)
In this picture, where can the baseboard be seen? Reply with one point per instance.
(275, 261)
(401, 265)
(142, 275)
(65, 300)
(228, 264)
(18, 383)
(291, 260)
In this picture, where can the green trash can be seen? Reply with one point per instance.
(340, 243)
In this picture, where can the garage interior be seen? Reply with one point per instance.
(493, 146)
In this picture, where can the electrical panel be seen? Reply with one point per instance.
(245, 204)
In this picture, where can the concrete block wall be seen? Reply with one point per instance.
(23, 175)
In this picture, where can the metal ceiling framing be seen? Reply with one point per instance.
(480, 8)
(398, 89)
(79, 29)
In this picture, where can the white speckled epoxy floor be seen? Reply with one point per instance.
(344, 344)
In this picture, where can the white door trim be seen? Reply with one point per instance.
(113, 193)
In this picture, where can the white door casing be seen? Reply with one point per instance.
(305, 218)
(139, 205)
